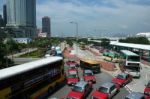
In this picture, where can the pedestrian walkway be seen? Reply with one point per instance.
(29, 50)
(115, 72)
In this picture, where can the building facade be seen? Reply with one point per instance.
(5, 14)
(46, 26)
(23, 40)
(1, 21)
(21, 17)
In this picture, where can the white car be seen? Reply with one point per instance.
(47, 55)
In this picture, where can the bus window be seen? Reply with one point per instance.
(134, 58)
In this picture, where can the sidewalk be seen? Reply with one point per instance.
(21, 53)
(113, 73)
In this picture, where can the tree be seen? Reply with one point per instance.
(135, 40)
(105, 42)
(11, 46)
(4, 61)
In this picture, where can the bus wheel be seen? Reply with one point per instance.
(57, 86)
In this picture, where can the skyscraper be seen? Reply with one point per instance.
(5, 14)
(1, 21)
(21, 17)
(46, 25)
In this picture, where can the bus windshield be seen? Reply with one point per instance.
(91, 65)
(134, 58)
(132, 68)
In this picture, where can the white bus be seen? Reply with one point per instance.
(132, 62)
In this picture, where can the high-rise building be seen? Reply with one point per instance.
(0, 16)
(46, 28)
(21, 17)
(1, 21)
(5, 14)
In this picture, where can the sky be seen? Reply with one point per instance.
(94, 17)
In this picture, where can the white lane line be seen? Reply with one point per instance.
(128, 89)
(146, 78)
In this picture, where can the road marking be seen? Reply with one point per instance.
(146, 78)
(128, 89)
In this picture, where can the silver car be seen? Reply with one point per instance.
(135, 95)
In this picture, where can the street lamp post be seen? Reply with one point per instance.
(76, 23)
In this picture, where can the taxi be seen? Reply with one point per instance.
(147, 90)
(105, 91)
(72, 77)
(72, 63)
(122, 79)
(89, 76)
(81, 90)
(136, 95)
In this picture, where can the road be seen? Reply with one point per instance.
(24, 60)
(101, 78)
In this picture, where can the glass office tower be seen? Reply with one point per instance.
(21, 17)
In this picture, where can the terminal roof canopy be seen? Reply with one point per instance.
(130, 45)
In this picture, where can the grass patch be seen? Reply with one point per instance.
(35, 54)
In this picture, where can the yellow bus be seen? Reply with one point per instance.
(82, 46)
(33, 80)
(90, 64)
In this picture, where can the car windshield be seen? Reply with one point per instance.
(77, 88)
(121, 77)
(133, 68)
(148, 85)
(95, 98)
(88, 74)
(134, 58)
(70, 98)
(103, 90)
(127, 98)
(72, 76)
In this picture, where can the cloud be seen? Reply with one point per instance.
(115, 15)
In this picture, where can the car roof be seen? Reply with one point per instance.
(72, 71)
(88, 71)
(107, 84)
(81, 84)
(135, 95)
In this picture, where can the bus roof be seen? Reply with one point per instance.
(90, 61)
(129, 53)
(14, 70)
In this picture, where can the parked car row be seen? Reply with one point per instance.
(73, 77)
(83, 87)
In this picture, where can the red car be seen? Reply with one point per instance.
(147, 90)
(89, 76)
(122, 79)
(73, 63)
(80, 91)
(105, 91)
(72, 77)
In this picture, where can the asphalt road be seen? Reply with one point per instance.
(100, 78)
